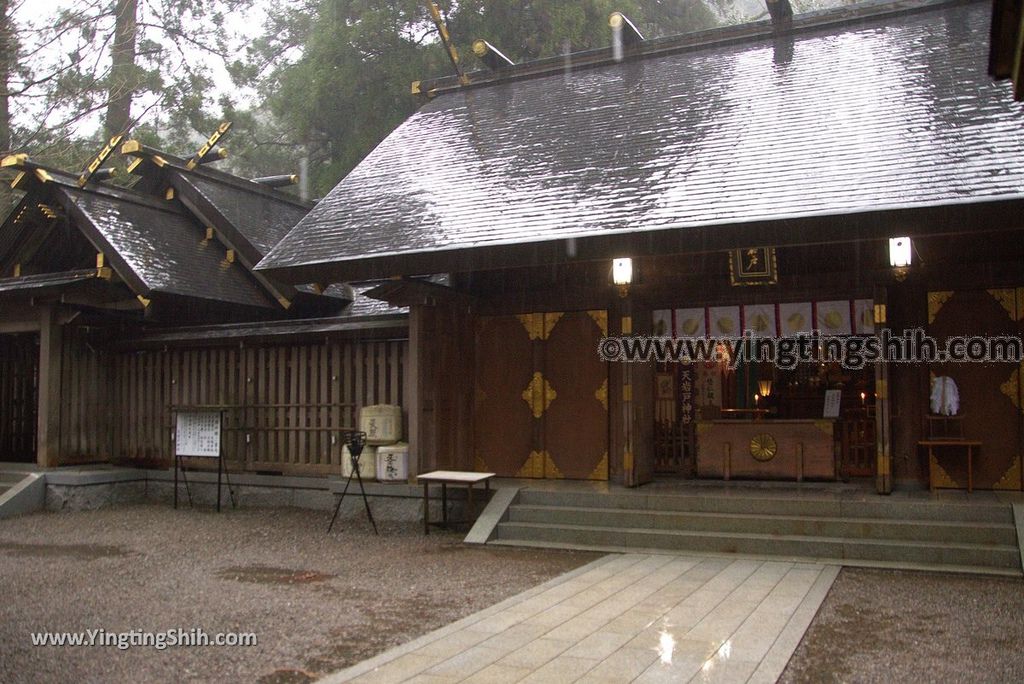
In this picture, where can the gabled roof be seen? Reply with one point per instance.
(248, 217)
(765, 138)
(258, 216)
(163, 249)
(153, 246)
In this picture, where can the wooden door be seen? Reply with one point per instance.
(575, 424)
(19, 371)
(505, 430)
(541, 396)
(990, 393)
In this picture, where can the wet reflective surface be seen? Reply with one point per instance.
(166, 250)
(889, 112)
(262, 221)
(626, 618)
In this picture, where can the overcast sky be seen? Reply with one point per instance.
(37, 15)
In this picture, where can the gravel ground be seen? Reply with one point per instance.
(894, 626)
(317, 603)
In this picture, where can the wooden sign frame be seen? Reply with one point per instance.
(200, 445)
(753, 266)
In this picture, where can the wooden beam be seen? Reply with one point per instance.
(12, 327)
(413, 292)
(1004, 38)
(50, 368)
(981, 219)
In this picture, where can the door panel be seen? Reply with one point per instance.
(576, 421)
(505, 429)
(541, 396)
(989, 392)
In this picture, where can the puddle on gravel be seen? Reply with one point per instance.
(266, 574)
(83, 552)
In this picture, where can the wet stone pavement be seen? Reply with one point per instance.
(633, 617)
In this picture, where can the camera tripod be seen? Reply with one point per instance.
(355, 440)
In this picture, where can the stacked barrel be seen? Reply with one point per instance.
(382, 424)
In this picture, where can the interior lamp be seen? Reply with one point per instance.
(765, 386)
(622, 274)
(900, 251)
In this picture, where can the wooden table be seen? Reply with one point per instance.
(445, 478)
(970, 446)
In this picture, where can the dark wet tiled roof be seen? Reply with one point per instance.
(163, 250)
(862, 116)
(262, 220)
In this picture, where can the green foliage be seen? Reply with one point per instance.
(334, 75)
(544, 28)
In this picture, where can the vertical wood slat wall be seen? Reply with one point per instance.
(19, 369)
(89, 411)
(288, 401)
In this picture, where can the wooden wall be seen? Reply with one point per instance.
(87, 407)
(18, 376)
(287, 402)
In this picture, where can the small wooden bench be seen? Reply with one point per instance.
(445, 478)
(969, 446)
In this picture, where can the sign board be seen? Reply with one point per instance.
(197, 433)
(832, 398)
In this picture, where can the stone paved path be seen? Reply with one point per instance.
(624, 618)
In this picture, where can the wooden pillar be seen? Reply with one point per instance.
(622, 468)
(631, 402)
(883, 406)
(417, 391)
(643, 401)
(50, 367)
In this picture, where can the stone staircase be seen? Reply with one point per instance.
(865, 531)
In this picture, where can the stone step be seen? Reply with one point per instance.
(851, 562)
(939, 553)
(854, 528)
(868, 506)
